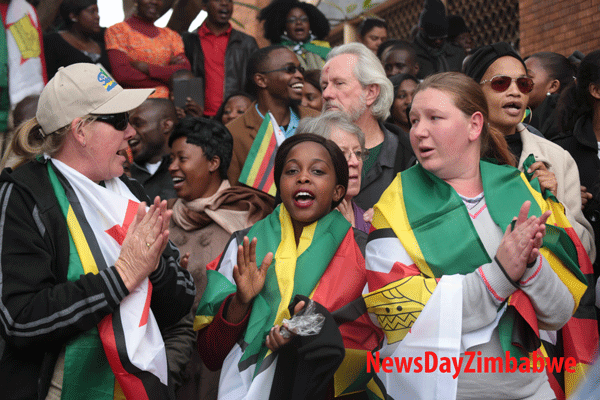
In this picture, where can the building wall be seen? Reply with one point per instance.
(560, 26)
(489, 20)
(247, 17)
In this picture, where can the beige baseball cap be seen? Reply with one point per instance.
(82, 89)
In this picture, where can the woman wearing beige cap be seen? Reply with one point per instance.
(87, 274)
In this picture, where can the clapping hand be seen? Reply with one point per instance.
(144, 243)
(520, 245)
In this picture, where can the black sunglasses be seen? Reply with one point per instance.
(118, 121)
(290, 69)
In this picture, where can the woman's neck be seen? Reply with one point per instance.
(80, 35)
(469, 184)
(505, 130)
(141, 19)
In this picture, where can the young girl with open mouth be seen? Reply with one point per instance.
(307, 248)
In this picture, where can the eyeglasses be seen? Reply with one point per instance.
(500, 83)
(288, 69)
(359, 154)
(293, 20)
(118, 121)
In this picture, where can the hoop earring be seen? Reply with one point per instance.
(530, 115)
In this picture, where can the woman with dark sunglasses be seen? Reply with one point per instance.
(300, 27)
(503, 77)
(79, 250)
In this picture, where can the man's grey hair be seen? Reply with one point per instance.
(326, 123)
(369, 71)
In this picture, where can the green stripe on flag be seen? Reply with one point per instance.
(435, 211)
(87, 373)
(254, 153)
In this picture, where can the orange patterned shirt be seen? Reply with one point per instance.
(151, 50)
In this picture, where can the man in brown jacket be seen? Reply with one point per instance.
(275, 77)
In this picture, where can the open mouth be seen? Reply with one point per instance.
(122, 153)
(133, 142)
(224, 14)
(512, 108)
(297, 87)
(177, 181)
(425, 151)
(304, 198)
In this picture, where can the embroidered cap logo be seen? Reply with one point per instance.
(106, 80)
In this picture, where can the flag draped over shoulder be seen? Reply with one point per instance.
(258, 167)
(126, 345)
(325, 266)
(433, 210)
(579, 337)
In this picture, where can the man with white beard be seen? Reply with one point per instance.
(354, 81)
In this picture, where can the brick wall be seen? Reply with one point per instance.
(247, 17)
(561, 26)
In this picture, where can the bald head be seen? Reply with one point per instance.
(153, 122)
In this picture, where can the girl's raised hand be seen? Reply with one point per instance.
(248, 277)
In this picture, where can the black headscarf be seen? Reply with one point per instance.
(485, 56)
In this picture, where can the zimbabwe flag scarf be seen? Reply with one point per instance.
(126, 345)
(294, 270)
(432, 210)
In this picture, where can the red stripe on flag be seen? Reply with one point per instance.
(269, 154)
(580, 340)
(132, 386)
(585, 264)
(361, 334)
(118, 232)
(146, 312)
(523, 305)
(269, 182)
(378, 279)
(558, 390)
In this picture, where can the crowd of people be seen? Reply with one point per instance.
(189, 216)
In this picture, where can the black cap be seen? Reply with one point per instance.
(433, 19)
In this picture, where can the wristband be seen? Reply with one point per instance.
(515, 284)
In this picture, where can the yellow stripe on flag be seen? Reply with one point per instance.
(557, 218)
(285, 260)
(260, 156)
(350, 370)
(202, 321)
(393, 201)
(572, 379)
(372, 386)
(574, 285)
(85, 254)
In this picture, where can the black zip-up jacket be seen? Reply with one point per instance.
(40, 310)
(238, 51)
